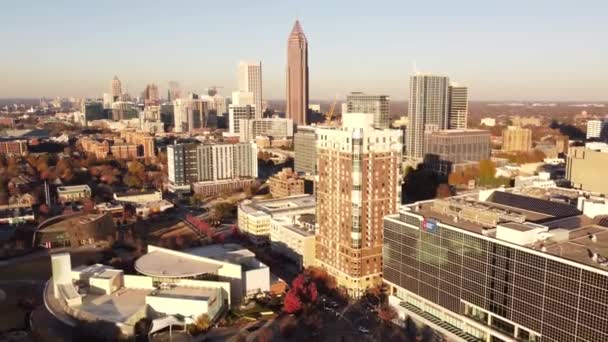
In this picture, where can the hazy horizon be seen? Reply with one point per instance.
(528, 52)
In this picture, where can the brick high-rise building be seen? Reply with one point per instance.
(151, 95)
(297, 75)
(359, 182)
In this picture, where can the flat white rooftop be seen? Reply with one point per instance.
(116, 307)
(173, 264)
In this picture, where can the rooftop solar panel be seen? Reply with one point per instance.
(538, 205)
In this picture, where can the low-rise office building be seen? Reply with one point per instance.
(139, 197)
(294, 237)
(254, 216)
(447, 150)
(285, 183)
(212, 188)
(73, 193)
(499, 266)
(583, 165)
(73, 230)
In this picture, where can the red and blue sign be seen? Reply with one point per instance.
(429, 225)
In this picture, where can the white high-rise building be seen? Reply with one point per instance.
(276, 128)
(189, 113)
(220, 104)
(250, 80)
(458, 106)
(241, 98)
(107, 101)
(596, 129)
(115, 89)
(237, 113)
(188, 163)
(428, 110)
(379, 105)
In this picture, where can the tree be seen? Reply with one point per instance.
(3, 193)
(324, 281)
(132, 181)
(288, 326)
(292, 303)
(455, 178)
(220, 210)
(264, 335)
(202, 322)
(443, 191)
(487, 171)
(387, 313)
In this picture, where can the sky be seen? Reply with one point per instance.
(508, 50)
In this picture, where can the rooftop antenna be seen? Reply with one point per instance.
(414, 68)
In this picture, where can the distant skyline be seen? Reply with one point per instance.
(541, 50)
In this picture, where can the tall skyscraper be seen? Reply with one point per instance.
(115, 88)
(236, 113)
(378, 105)
(189, 113)
(250, 80)
(458, 106)
(174, 92)
(305, 150)
(428, 110)
(297, 75)
(359, 182)
(597, 129)
(151, 95)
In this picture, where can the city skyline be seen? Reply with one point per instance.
(499, 53)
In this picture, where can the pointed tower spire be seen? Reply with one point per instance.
(297, 32)
(297, 75)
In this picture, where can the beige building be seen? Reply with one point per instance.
(73, 193)
(359, 182)
(285, 183)
(254, 216)
(585, 167)
(294, 237)
(516, 139)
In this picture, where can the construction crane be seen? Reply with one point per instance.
(330, 113)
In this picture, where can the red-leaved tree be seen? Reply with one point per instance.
(292, 303)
